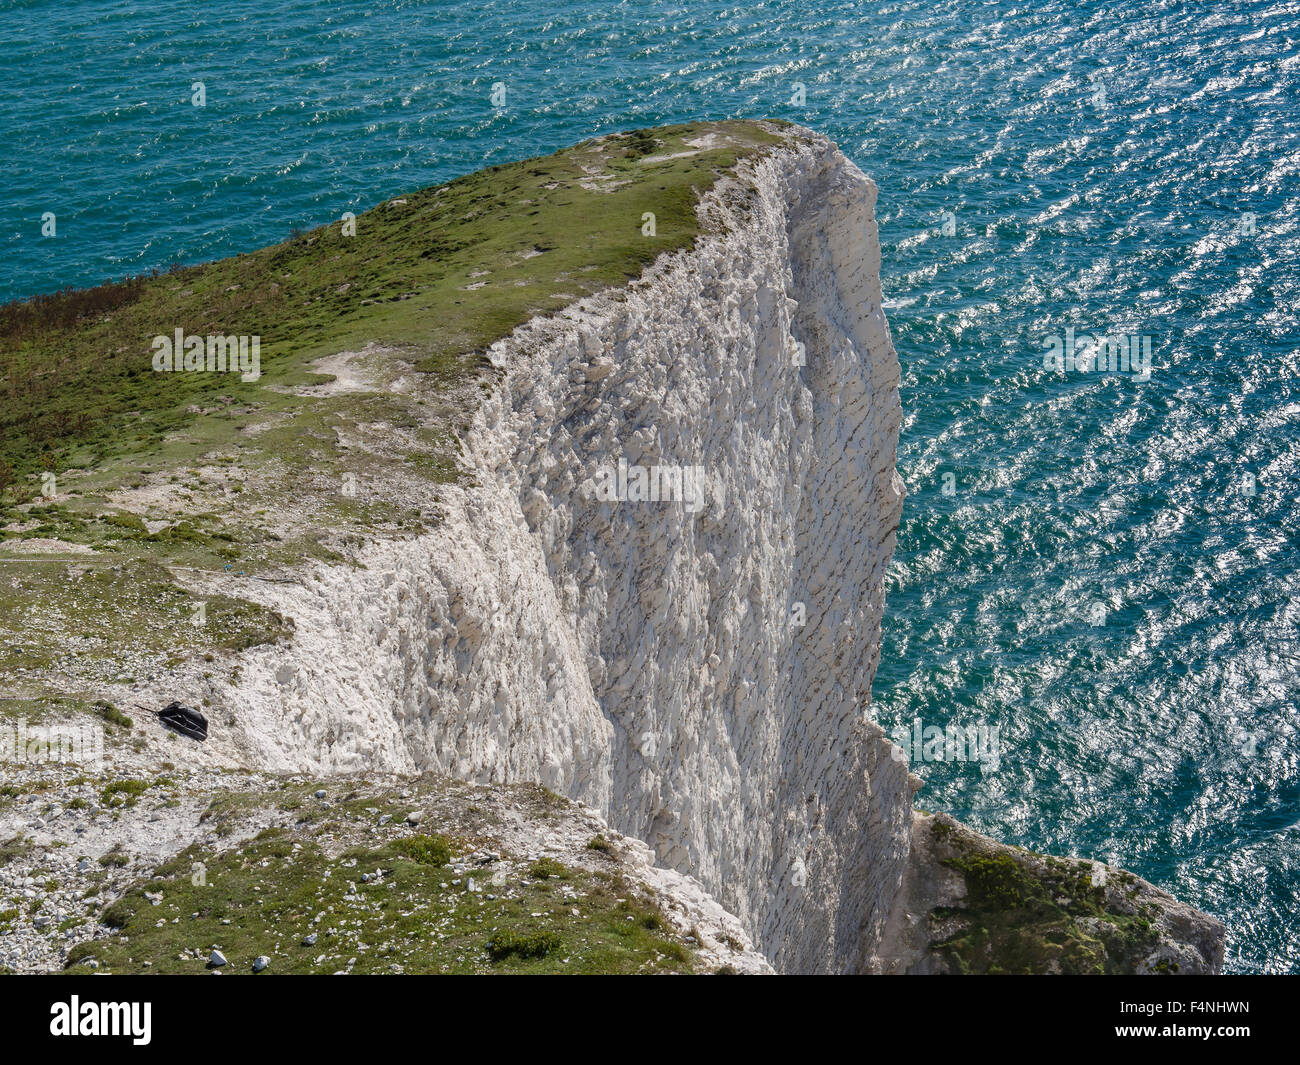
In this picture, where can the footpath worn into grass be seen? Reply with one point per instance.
(438, 274)
(372, 361)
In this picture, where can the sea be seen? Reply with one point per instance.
(1090, 220)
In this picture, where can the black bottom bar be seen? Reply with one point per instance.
(177, 1014)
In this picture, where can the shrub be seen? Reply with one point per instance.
(79, 953)
(547, 867)
(426, 850)
(117, 915)
(132, 789)
(17, 847)
(113, 715)
(522, 945)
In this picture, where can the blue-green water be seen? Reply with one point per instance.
(1119, 166)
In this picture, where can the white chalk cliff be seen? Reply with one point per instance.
(700, 674)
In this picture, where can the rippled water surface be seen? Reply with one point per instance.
(1096, 577)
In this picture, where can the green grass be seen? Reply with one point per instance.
(130, 789)
(544, 868)
(523, 945)
(78, 619)
(426, 850)
(246, 480)
(76, 373)
(17, 847)
(265, 897)
(1026, 914)
(113, 715)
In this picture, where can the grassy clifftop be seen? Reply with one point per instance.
(437, 275)
(372, 361)
(125, 490)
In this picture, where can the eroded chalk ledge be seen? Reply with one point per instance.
(969, 904)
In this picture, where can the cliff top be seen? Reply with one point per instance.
(371, 359)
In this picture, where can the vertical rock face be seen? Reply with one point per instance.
(660, 592)
(697, 668)
(730, 640)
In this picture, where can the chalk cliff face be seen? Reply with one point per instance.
(731, 649)
(697, 669)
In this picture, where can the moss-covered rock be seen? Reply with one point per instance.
(973, 905)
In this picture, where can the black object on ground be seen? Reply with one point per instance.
(185, 720)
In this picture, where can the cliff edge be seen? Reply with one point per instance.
(654, 580)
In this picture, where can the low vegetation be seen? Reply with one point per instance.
(1029, 914)
(440, 274)
(377, 899)
(117, 482)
